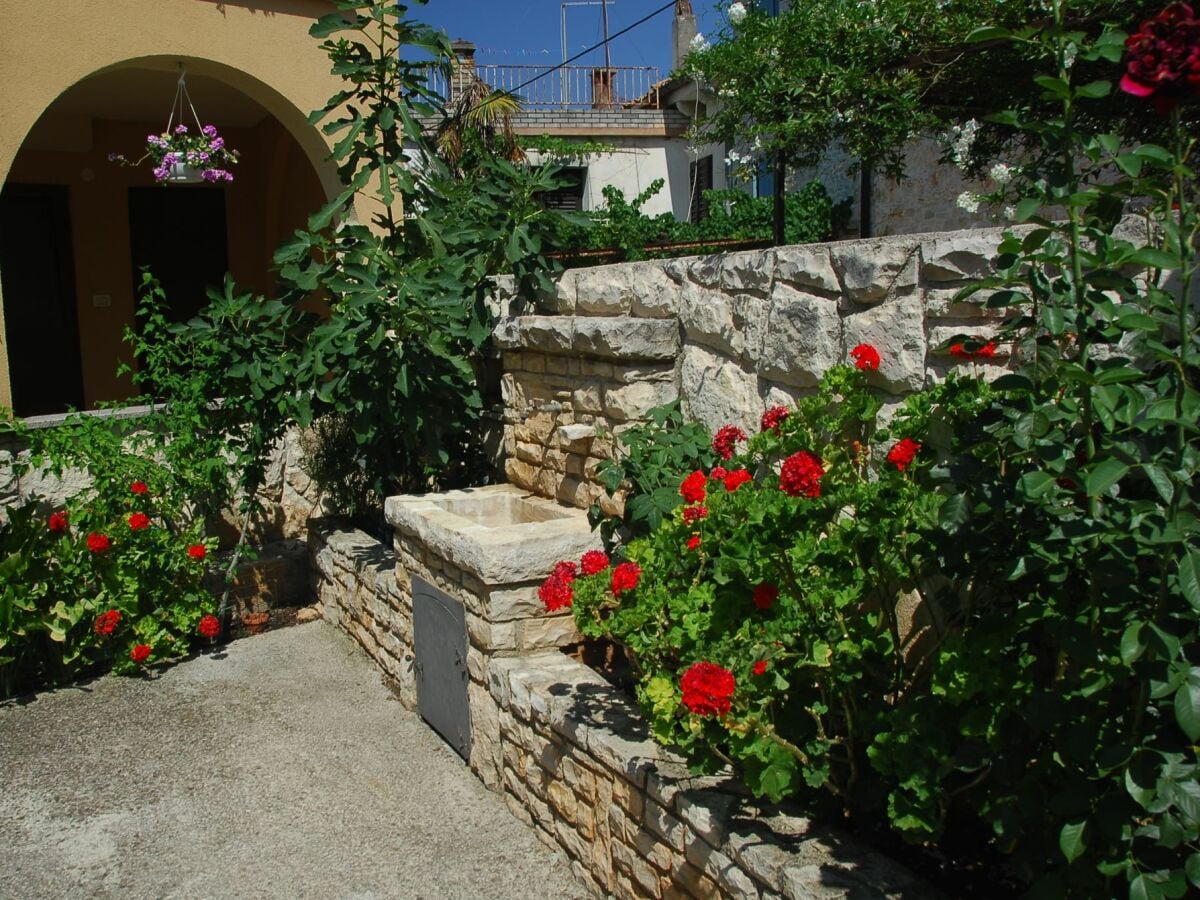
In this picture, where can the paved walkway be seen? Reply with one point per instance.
(282, 768)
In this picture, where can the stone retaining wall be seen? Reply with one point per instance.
(574, 760)
(729, 335)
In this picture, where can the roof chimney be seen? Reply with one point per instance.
(462, 69)
(683, 29)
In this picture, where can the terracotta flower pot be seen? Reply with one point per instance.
(255, 622)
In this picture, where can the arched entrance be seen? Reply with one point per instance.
(98, 78)
(75, 228)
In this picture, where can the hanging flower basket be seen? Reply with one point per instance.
(183, 156)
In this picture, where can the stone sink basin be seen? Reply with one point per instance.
(501, 534)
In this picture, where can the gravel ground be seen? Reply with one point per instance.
(281, 767)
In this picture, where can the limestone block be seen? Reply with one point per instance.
(632, 401)
(897, 330)
(546, 632)
(717, 391)
(707, 318)
(665, 825)
(959, 255)
(562, 301)
(624, 337)
(750, 270)
(802, 340)
(530, 453)
(575, 434)
(638, 869)
(546, 334)
(587, 399)
(806, 266)
(486, 760)
(871, 270)
(705, 270)
(941, 303)
(694, 881)
(657, 294)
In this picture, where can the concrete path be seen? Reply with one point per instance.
(284, 769)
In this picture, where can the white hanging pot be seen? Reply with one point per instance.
(182, 173)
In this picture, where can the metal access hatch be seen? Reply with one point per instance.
(440, 645)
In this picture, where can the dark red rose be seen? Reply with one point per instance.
(707, 689)
(139, 521)
(98, 543)
(865, 357)
(1164, 58)
(106, 622)
(801, 475)
(209, 627)
(593, 562)
(625, 577)
(140, 653)
(693, 487)
(59, 523)
(724, 440)
(903, 453)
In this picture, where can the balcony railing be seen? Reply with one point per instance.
(567, 87)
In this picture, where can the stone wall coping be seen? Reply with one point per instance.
(779, 849)
(500, 554)
(626, 338)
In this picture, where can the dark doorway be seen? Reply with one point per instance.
(37, 273)
(180, 233)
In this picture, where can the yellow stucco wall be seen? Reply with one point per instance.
(260, 47)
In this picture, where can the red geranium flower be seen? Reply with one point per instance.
(593, 562)
(106, 622)
(693, 487)
(693, 514)
(98, 543)
(707, 689)
(773, 418)
(718, 473)
(760, 667)
(801, 475)
(140, 653)
(1164, 58)
(736, 479)
(138, 521)
(865, 357)
(724, 440)
(902, 454)
(59, 522)
(197, 551)
(556, 593)
(565, 570)
(765, 595)
(693, 542)
(209, 627)
(625, 577)
(139, 487)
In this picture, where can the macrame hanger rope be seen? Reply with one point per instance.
(182, 96)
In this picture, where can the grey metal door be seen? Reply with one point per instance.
(440, 643)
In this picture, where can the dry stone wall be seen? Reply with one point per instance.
(729, 336)
(574, 759)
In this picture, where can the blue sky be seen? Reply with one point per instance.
(529, 32)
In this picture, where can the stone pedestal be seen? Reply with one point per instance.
(490, 548)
